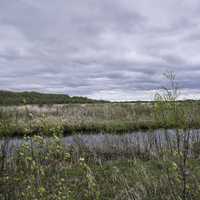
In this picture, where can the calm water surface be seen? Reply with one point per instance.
(107, 142)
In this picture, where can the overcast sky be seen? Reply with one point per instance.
(107, 49)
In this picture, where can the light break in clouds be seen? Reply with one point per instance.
(107, 49)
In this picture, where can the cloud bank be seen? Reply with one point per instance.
(115, 50)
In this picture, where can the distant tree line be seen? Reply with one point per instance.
(20, 98)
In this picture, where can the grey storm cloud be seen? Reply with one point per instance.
(106, 49)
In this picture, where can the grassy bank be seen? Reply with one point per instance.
(92, 118)
(46, 170)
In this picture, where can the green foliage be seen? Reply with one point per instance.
(43, 169)
(8, 98)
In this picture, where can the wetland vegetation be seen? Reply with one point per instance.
(93, 118)
(68, 152)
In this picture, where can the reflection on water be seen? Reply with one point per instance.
(142, 141)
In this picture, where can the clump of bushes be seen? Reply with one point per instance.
(43, 168)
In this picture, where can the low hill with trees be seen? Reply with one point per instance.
(20, 98)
